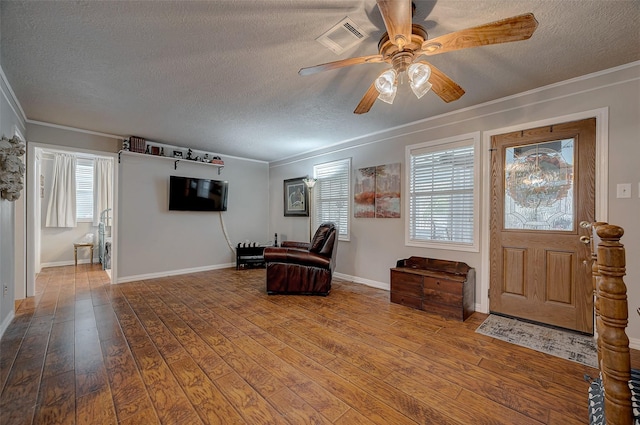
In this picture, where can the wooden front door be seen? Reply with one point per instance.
(543, 187)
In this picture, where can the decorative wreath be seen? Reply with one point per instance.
(538, 179)
(11, 168)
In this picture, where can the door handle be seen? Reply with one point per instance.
(585, 240)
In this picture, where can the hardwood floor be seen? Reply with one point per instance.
(212, 348)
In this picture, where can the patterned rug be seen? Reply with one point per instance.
(564, 344)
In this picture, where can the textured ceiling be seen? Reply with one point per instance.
(222, 76)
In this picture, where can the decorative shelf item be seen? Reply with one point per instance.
(136, 144)
(174, 153)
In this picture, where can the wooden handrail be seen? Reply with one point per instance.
(611, 320)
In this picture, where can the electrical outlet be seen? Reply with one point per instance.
(624, 190)
(5, 290)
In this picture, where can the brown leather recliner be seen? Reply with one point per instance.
(301, 267)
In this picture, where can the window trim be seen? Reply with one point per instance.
(341, 236)
(468, 139)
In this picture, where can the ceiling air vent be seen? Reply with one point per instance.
(344, 35)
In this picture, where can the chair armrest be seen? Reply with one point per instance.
(295, 256)
(298, 245)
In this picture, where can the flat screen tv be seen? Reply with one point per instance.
(194, 194)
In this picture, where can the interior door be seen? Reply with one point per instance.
(543, 186)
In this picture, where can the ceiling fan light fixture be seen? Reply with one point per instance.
(386, 85)
(419, 74)
(421, 90)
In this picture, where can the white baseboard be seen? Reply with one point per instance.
(368, 282)
(125, 279)
(6, 322)
(68, 263)
(634, 343)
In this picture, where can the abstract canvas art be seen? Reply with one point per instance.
(388, 191)
(364, 197)
(377, 192)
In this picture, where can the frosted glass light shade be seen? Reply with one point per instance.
(419, 74)
(386, 85)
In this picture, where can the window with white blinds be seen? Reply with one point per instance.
(332, 195)
(84, 189)
(442, 199)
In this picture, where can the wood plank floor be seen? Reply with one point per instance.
(213, 348)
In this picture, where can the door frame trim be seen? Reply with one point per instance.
(602, 180)
(32, 191)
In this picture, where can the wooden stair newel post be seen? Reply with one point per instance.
(612, 321)
(595, 276)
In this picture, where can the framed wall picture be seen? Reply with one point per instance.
(296, 198)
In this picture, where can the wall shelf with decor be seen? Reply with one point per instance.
(137, 146)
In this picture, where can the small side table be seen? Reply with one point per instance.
(82, 245)
(249, 256)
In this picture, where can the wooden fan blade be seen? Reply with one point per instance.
(340, 64)
(505, 31)
(368, 100)
(443, 86)
(397, 20)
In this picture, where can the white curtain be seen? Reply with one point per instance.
(61, 211)
(102, 189)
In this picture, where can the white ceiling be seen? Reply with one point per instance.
(222, 75)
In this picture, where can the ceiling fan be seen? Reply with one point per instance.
(405, 43)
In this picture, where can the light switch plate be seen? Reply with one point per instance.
(624, 190)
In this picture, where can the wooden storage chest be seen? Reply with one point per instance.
(441, 287)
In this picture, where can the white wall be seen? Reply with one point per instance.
(6, 264)
(11, 119)
(377, 243)
(153, 241)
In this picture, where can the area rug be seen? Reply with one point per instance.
(564, 344)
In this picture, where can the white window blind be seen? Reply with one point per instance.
(84, 189)
(442, 194)
(332, 195)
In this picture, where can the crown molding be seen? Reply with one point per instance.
(77, 130)
(11, 97)
(339, 146)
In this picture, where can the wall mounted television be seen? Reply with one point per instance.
(195, 194)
